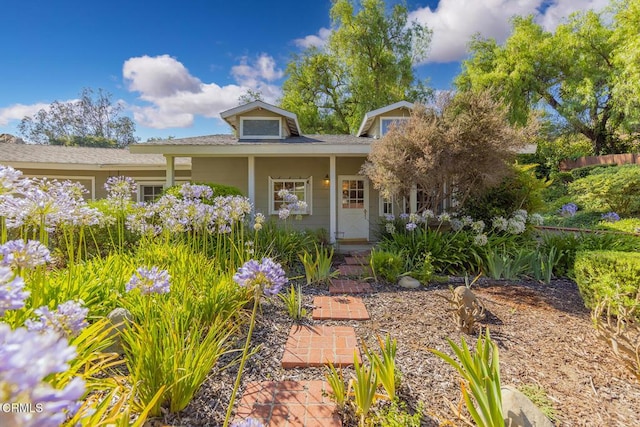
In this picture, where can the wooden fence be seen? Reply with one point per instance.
(609, 159)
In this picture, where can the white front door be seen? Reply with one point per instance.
(353, 205)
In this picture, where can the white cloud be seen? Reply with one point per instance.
(19, 111)
(314, 40)
(454, 22)
(176, 103)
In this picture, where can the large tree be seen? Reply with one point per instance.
(367, 63)
(465, 143)
(574, 71)
(92, 120)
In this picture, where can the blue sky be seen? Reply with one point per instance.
(176, 64)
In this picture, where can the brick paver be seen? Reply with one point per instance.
(289, 404)
(339, 308)
(353, 270)
(356, 260)
(346, 286)
(319, 345)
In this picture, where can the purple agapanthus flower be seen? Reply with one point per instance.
(196, 191)
(611, 217)
(18, 254)
(68, 319)
(411, 226)
(267, 274)
(119, 190)
(568, 210)
(12, 293)
(26, 359)
(149, 281)
(248, 422)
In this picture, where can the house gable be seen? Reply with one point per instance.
(259, 120)
(374, 122)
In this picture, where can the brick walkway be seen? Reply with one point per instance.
(319, 345)
(306, 403)
(346, 286)
(339, 308)
(289, 404)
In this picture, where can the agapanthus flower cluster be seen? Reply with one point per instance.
(610, 217)
(411, 226)
(536, 219)
(290, 204)
(119, 191)
(68, 319)
(26, 359)
(258, 221)
(517, 223)
(12, 293)
(390, 227)
(11, 180)
(17, 254)
(48, 204)
(196, 191)
(175, 215)
(248, 422)
(480, 239)
(568, 210)
(266, 276)
(149, 281)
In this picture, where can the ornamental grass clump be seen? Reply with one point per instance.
(262, 278)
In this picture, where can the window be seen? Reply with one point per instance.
(260, 127)
(385, 123)
(353, 194)
(386, 206)
(301, 187)
(149, 193)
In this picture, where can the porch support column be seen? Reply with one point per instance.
(170, 172)
(251, 179)
(333, 195)
(413, 199)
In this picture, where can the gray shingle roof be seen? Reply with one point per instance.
(33, 153)
(233, 140)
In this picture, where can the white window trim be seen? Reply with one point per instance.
(153, 183)
(308, 193)
(404, 118)
(242, 135)
(381, 202)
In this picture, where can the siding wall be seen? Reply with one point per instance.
(221, 170)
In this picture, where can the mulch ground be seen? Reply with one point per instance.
(544, 334)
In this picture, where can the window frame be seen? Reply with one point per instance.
(392, 119)
(143, 184)
(382, 201)
(308, 194)
(265, 118)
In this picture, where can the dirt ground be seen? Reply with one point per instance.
(543, 332)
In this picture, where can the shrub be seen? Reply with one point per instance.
(218, 190)
(609, 275)
(612, 189)
(387, 265)
(520, 190)
(585, 171)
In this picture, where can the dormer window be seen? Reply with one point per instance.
(387, 122)
(260, 127)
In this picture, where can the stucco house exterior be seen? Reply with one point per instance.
(268, 153)
(93, 166)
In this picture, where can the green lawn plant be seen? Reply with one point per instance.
(317, 268)
(387, 265)
(292, 300)
(364, 387)
(480, 371)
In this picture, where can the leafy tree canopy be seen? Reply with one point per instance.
(466, 143)
(575, 71)
(93, 120)
(367, 63)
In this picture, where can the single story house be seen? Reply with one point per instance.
(269, 153)
(93, 166)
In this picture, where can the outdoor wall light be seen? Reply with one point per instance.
(326, 180)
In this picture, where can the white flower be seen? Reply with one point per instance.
(390, 227)
(536, 219)
(480, 240)
(500, 223)
(515, 226)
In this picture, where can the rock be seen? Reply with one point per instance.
(519, 410)
(120, 318)
(409, 282)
